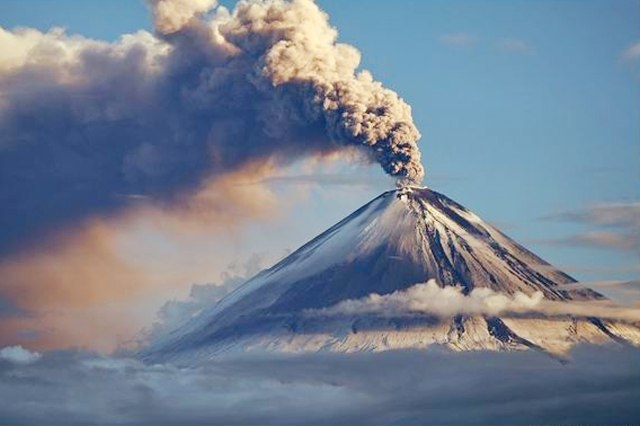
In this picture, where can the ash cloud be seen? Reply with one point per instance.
(170, 16)
(398, 387)
(84, 124)
(103, 279)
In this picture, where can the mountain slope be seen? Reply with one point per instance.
(397, 240)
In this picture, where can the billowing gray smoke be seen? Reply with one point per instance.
(86, 124)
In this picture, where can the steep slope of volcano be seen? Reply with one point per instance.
(397, 240)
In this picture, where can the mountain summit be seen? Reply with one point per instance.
(342, 290)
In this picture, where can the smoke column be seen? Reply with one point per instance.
(85, 125)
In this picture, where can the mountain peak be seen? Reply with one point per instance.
(400, 239)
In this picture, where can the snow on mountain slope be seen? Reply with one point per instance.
(401, 238)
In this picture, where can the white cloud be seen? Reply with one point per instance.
(18, 355)
(442, 301)
(171, 15)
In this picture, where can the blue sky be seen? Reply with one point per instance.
(528, 109)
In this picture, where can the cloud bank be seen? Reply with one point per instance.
(400, 387)
(449, 301)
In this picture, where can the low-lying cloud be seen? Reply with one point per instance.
(398, 387)
(430, 298)
(449, 301)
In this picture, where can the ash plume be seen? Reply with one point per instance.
(170, 16)
(211, 92)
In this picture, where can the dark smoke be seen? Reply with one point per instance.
(84, 125)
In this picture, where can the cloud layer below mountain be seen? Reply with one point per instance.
(601, 385)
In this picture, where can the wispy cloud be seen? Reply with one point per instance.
(598, 239)
(601, 269)
(623, 292)
(514, 45)
(459, 39)
(621, 220)
(605, 214)
(631, 53)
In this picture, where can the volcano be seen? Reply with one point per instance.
(399, 239)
